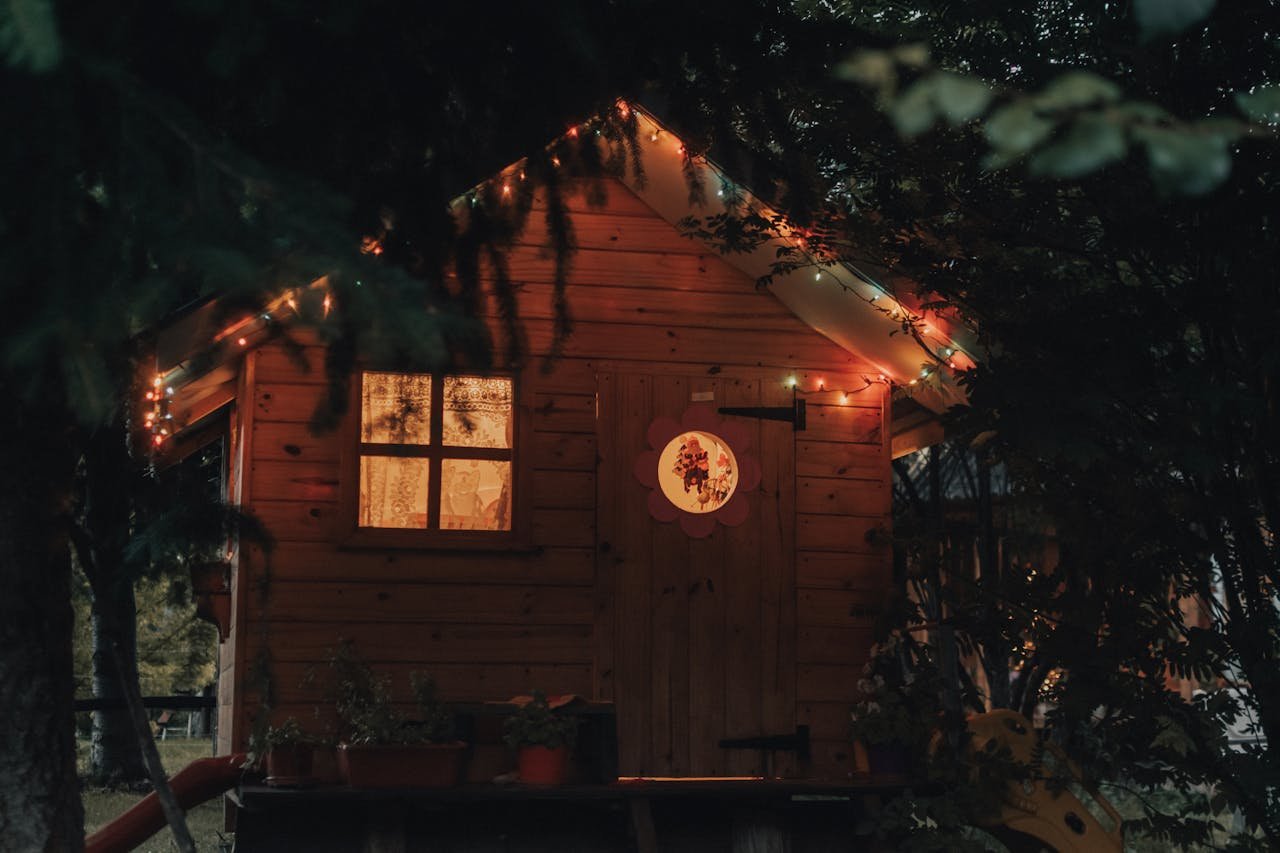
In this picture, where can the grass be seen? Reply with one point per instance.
(205, 820)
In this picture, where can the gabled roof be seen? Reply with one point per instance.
(846, 304)
(840, 301)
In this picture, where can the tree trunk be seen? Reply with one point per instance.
(945, 639)
(107, 514)
(995, 655)
(40, 807)
(204, 718)
(114, 757)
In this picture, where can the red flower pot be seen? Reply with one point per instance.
(428, 765)
(289, 765)
(541, 765)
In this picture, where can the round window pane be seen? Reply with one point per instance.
(697, 471)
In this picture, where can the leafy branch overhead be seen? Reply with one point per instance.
(1077, 124)
(29, 38)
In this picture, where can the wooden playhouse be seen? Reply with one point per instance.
(687, 515)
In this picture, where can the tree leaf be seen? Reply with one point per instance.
(1158, 18)
(1262, 104)
(1186, 161)
(29, 35)
(1016, 129)
(960, 98)
(869, 67)
(1172, 736)
(1091, 143)
(914, 113)
(1077, 89)
(914, 55)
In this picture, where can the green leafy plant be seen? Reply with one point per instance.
(538, 724)
(435, 719)
(366, 715)
(288, 733)
(899, 696)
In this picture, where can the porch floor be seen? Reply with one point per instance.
(645, 816)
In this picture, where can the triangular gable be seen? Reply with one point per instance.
(842, 303)
(838, 301)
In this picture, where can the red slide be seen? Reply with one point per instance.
(192, 785)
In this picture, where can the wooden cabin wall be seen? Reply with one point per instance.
(844, 565)
(231, 651)
(490, 625)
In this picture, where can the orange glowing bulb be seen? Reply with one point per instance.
(573, 132)
(242, 341)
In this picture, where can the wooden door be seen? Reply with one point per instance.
(695, 637)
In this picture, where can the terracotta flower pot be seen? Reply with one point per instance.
(289, 765)
(428, 765)
(540, 765)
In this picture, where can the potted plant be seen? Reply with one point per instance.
(286, 752)
(898, 708)
(542, 739)
(381, 748)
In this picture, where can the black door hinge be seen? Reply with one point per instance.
(793, 414)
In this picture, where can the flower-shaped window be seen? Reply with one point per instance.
(698, 471)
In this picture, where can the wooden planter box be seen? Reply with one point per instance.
(430, 765)
(289, 766)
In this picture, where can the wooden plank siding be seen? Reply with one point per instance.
(765, 624)
(843, 563)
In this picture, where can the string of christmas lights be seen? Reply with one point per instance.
(157, 409)
(896, 311)
(159, 418)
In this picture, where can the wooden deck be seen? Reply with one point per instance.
(645, 816)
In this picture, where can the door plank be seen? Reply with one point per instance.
(632, 559)
(603, 602)
(744, 687)
(706, 654)
(669, 708)
(777, 548)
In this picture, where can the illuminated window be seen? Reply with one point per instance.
(435, 453)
